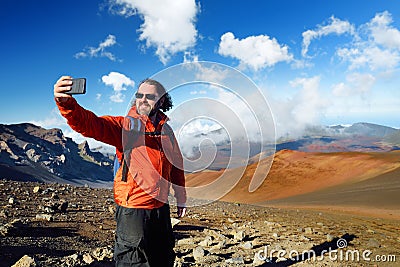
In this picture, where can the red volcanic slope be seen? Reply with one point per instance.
(295, 173)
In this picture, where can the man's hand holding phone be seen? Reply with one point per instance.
(67, 86)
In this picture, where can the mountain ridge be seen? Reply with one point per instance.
(32, 153)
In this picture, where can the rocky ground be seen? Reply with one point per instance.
(61, 225)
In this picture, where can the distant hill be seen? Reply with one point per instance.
(360, 137)
(370, 129)
(31, 153)
(393, 138)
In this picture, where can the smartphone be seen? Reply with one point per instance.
(78, 86)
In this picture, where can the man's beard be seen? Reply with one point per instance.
(148, 109)
(144, 109)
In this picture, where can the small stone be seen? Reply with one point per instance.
(206, 242)
(3, 213)
(329, 238)
(239, 235)
(221, 244)
(111, 209)
(44, 217)
(174, 222)
(101, 254)
(49, 210)
(373, 243)
(247, 245)
(198, 253)
(185, 241)
(215, 234)
(72, 260)
(11, 200)
(4, 230)
(235, 260)
(303, 238)
(74, 257)
(87, 258)
(36, 189)
(308, 230)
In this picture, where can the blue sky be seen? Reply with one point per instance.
(316, 62)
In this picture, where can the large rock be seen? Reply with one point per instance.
(26, 261)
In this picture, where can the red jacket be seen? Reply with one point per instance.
(155, 161)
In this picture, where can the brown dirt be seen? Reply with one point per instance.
(88, 224)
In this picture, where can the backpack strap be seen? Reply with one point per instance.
(124, 175)
(167, 130)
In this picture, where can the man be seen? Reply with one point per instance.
(150, 161)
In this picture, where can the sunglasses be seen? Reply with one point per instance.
(148, 96)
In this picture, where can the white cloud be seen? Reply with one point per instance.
(368, 55)
(303, 105)
(189, 57)
(357, 84)
(361, 82)
(256, 52)
(309, 104)
(168, 25)
(191, 135)
(340, 89)
(377, 46)
(336, 26)
(119, 82)
(382, 33)
(100, 51)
